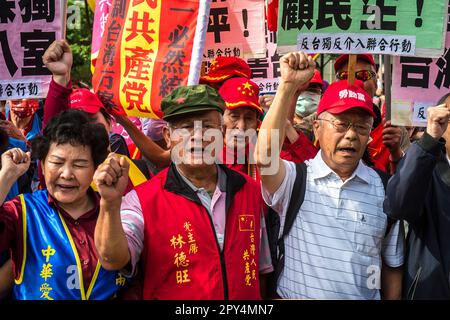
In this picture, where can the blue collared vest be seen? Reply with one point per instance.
(51, 268)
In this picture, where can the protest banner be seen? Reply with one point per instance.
(236, 28)
(149, 48)
(265, 72)
(101, 13)
(27, 29)
(409, 28)
(419, 83)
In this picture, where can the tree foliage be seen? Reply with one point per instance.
(80, 38)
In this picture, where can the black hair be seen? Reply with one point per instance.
(442, 100)
(74, 127)
(4, 141)
(106, 115)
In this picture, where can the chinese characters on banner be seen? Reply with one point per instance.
(143, 57)
(413, 27)
(235, 29)
(102, 8)
(266, 71)
(419, 83)
(27, 28)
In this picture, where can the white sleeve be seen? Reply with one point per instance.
(279, 200)
(133, 226)
(393, 245)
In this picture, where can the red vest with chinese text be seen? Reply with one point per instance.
(181, 257)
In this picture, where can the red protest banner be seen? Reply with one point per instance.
(148, 49)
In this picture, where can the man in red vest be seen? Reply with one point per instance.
(199, 225)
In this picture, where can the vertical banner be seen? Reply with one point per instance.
(27, 28)
(146, 52)
(101, 13)
(407, 27)
(272, 14)
(236, 28)
(419, 83)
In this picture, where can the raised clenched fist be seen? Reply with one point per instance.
(438, 118)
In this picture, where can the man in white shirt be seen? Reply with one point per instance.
(338, 247)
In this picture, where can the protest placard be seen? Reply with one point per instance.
(27, 28)
(419, 83)
(236, 25)
(143, 56)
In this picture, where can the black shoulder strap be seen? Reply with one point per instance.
(383, 176)
(276, 243)
(385, 179)
(297, 197)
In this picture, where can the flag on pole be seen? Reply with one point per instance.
(272, 14)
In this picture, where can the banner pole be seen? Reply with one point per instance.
(387, 85)
(351, 68)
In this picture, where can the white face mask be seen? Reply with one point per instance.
(307, 104)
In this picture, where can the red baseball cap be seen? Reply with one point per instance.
(341, 96)
(317, 78)
(223, 68)
(344, 59)
(240, 92)
(85, 100)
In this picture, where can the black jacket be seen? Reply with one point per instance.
(419, 193)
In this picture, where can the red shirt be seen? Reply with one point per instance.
(299, 151)
(81, 230)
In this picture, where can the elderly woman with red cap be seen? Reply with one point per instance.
(58, 59)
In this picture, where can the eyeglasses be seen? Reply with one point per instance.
(191, 127)
(344, 126)
(362, 75)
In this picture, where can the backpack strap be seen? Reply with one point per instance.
(297, 197)
(276, 242)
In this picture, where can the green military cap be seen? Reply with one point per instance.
(184, 100)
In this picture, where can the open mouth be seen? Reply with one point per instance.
(196, 150)
(67, 187)
(347, 150)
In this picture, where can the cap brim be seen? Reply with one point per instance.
(88, 109)
(342, 108)
(344, 59)
(190, 110)
(206, 79)
(241, 104)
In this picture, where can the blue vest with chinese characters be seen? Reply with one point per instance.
(51, 268)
